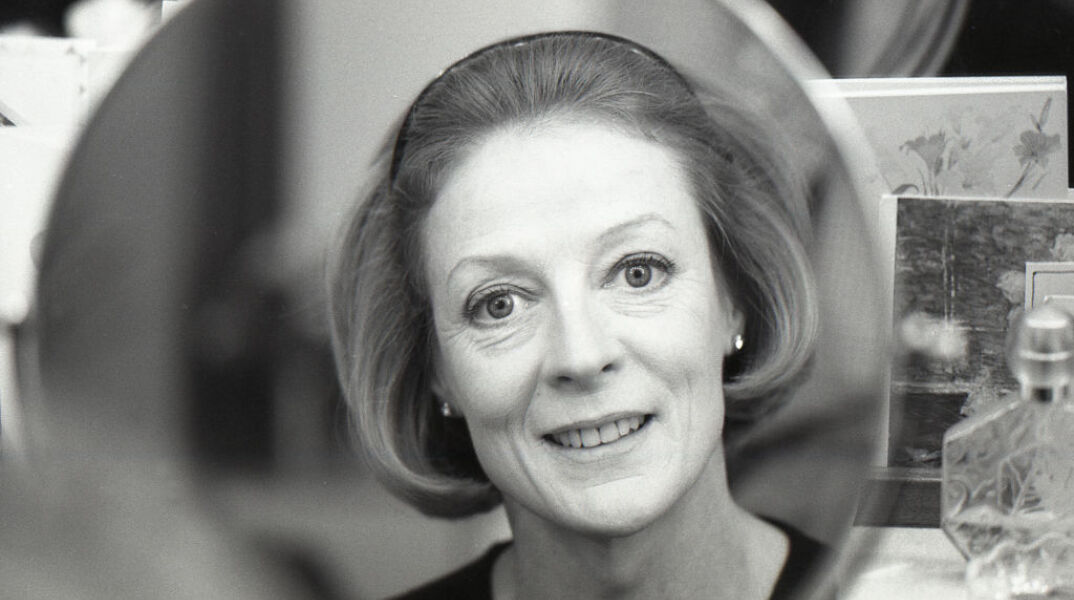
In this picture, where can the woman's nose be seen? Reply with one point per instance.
(582, 349)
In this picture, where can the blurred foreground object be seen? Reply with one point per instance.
(85, 531)
(151, 300)
(145, 247)
(1008, 474)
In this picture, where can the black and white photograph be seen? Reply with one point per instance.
(501, 300)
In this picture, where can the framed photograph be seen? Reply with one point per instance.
(962, 269)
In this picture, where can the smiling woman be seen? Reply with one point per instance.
(576, 267)
(614, 315)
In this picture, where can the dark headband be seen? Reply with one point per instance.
(399, 147)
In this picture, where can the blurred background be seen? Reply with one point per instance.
(177, 346)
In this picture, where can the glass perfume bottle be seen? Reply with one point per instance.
(1008, 474)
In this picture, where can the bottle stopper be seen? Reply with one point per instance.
(1040, 352)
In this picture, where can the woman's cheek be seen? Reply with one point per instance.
(494, 383)
(680, 342)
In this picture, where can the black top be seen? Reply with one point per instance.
(474, 581)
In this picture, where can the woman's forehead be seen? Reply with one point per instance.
(561, 163)
(528, 158)
(575, 183)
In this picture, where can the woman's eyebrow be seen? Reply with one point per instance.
(491, 262)
(617, 231)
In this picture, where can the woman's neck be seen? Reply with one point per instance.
(704, 546)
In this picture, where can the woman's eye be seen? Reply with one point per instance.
(643, 271)
(500, 306)
(638, 275)
(495, 304)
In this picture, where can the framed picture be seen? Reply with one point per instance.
(961, 269)
(1000, 137)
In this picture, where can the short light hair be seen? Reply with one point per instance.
(755, 213)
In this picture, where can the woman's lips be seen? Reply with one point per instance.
(603, 433)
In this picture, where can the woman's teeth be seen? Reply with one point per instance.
(595, 436)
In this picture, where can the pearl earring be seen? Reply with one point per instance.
(446, 411)
(738, 342)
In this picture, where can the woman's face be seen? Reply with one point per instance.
(580, 324)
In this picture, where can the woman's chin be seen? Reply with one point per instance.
(614, 527)
(613, 510)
